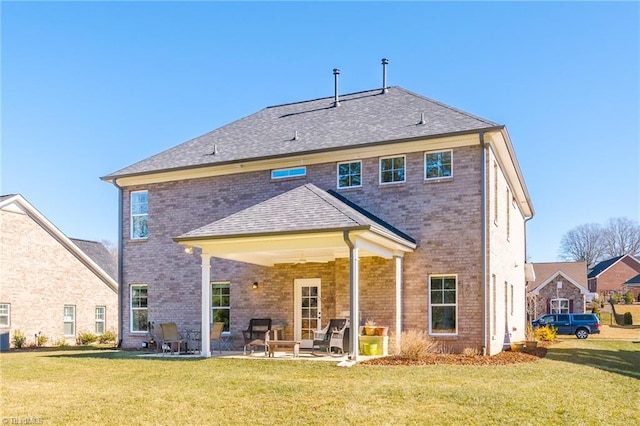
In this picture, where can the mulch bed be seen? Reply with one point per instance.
(503, 358)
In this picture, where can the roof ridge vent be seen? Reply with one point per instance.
(385, 62)
(336, 74)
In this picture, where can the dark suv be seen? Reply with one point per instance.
(579, 324)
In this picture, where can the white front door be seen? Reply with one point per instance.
(307, 310)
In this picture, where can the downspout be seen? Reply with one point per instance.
(483, 244)
(120, 261)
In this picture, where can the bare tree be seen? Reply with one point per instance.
(621, 236)
(583, 243)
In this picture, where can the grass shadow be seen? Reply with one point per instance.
(107, 353)
(624, 362)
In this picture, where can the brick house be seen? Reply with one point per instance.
(616, 275)
(49, 283)
(381, 204)
(558, 287)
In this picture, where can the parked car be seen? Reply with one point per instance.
(579, 324)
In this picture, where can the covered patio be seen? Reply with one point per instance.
(305, 224)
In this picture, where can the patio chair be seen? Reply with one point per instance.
(257, 334)
(330, 337)
(214, 335)
(169, 336)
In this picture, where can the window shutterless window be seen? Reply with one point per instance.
(559, 306)
(5, 315)
(139, 308)
(350, 174)
(139, 215)
(438, 165)
(101, 315)
(69, 320)
(443, 304)
(392, 170)
(221, 303)
(287, 173)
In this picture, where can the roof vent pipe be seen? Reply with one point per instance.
(336, 73)
(422, 118)
(385, 62)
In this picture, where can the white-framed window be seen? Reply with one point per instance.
(438, 165)
(221, 303)
(392, 169)
(139, 215)
(559, 306)
(443, 304)
(495, 192)
(69, 320)
(289, 173)
(350, 174)
(139, 308)
(508, 204)
(5, 315)
(101, 317)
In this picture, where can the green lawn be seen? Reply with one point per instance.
(579, 382)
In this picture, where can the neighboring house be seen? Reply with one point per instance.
(615, 275)
(381, 205)
(51, 284)
(559, 287)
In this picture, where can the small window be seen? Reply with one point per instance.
(559, 306)
(437, 165)
(139, 215)
(69, 319)
(139, 308)
(221, 304)
(101, 314)
(288, 173)
(392, 170)
(443, 304)
(5, 315)
(350, 174)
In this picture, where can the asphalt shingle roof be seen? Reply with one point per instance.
(306, 208)
(601, 266)
(363, 118)
(99, 254)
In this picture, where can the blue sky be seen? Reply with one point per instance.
(89, 88)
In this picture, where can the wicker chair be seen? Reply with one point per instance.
(330, 337)
(257, 334)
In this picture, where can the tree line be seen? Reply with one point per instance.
(593, 242)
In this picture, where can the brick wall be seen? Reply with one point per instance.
(444, 218)
(39, 276)
(613, 279)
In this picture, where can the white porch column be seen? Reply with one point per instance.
(205, 350)
(398, 330)
(354, 304)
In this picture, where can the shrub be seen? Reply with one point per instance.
(415, 345)
(628, 318)
(638, 297)
(595, 310)
(628, 298)
(61, 343)
(470, 352)
(107, 336)
(19, 339)
(41, 340)
(86, 338)
(546, 333)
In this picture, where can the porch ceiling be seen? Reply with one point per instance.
(303, 225)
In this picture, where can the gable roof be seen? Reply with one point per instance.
(303, 223)
(362, 119)
(99, 253)
(18, 203)
(635, 281)
(574, 272)
(306, 208)
(600, 267)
